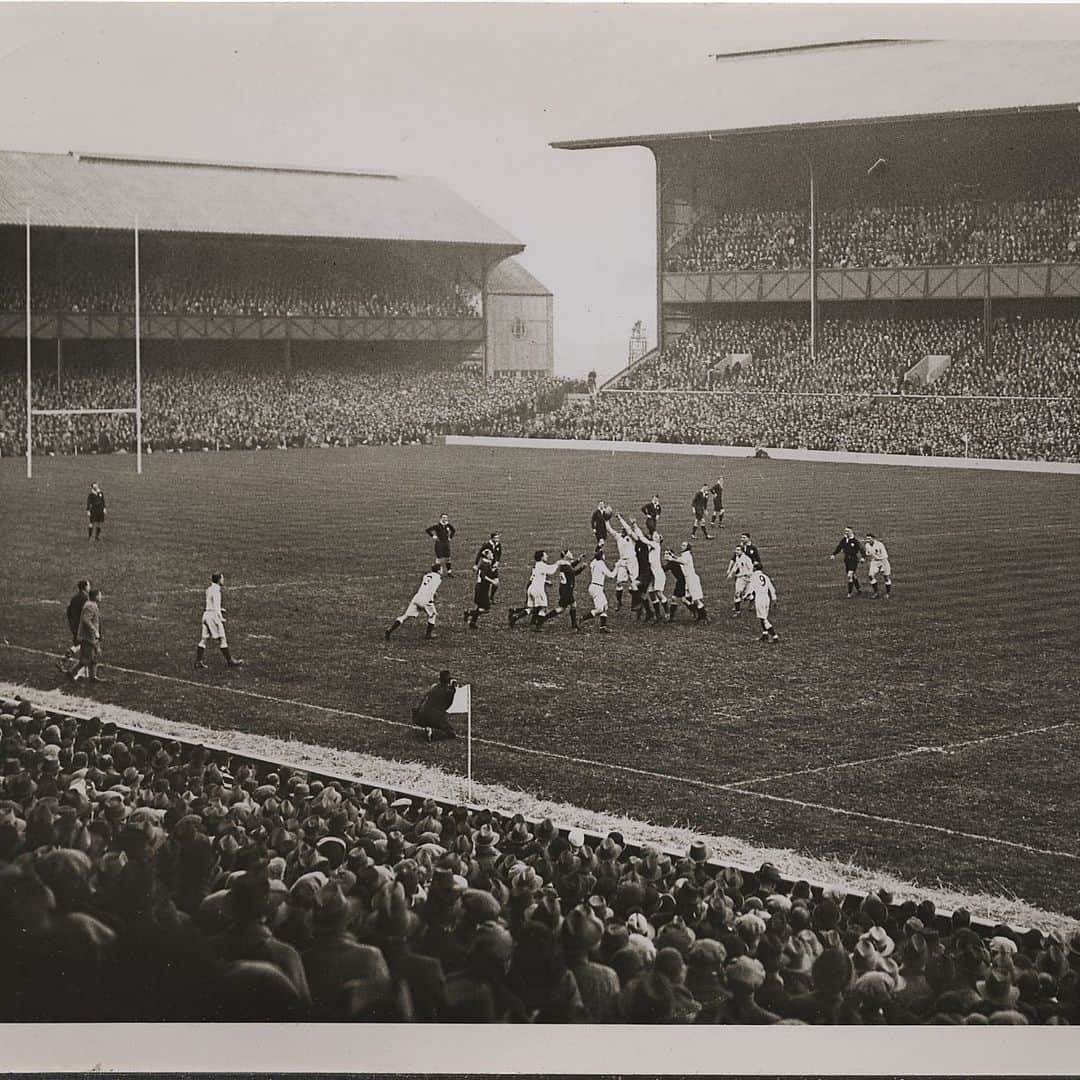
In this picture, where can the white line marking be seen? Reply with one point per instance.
(589, 762)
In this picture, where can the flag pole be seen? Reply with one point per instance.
(468, 744)
(138, 361)
(29, 364)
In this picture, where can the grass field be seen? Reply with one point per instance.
(934, 736)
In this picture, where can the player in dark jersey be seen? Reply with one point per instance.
(599, 523)
(645, 577)
(700, 506)
(751, 550)
(442, 532)
(569, 568)
(487, 579)
(851, 549)
(95, 512)
(73, 616)
(493, 547)
(652, 510)
(717, 492)
(675, 569)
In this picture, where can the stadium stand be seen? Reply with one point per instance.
(219, 405)
(142, 878)
(947, 232)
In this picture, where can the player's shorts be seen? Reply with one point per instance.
(482, 597)
(213, 626)
(880, 566)
(658, 583)
(599, 599)
(761, 606)
(536, 598)
(699, 517)
(566, 596)
(694, 590)
(741, 585)
(626, 572)
(415, 607)
(442, 549)
(851, 565)
(97, 519)
(680, 587)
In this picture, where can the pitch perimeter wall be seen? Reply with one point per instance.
(780, 453)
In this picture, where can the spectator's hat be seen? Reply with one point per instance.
(873, 908)
(480, 906)
(730, 880)
(598, 906)
(676, 935)
(492, 943)
(518, 836)
(446, 886)
(880, 940)
(524, 880)
(545, 831)
(393, 917)
(745, 972)
(799, 918)
(486, 840)
(833, 972)
(699, 853)
(638, 924)
(826, 915)
(998, 989)
(333, 849)
(914, 955)
(874, 988)
(582, 930)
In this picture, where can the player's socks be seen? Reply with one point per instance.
(573, 618)
(888, 589)
(90, 533)
(587, 616)
(200, 653)
(873, 585)
(429, 631)
(858, 587)
(618, 598)
(658, 611)
(391, 628)
(228, 658)
(603, 621)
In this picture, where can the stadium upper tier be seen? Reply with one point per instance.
(959, 232)
(198, 885)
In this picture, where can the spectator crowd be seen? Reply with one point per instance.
(946, 232)
(270, 294)
(143, 879)
(229, 406)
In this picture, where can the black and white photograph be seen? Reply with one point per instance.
(541, 514)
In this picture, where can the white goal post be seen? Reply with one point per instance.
(31, 412)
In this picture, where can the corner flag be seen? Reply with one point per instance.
(462, 702)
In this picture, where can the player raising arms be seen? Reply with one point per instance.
(878, 555)
(741, 568)
(598, 575)
(599, 522)
(487, 580)
(700, 505)
(213, 625)
(655, 597)
(423, 600)
(442, 532)
(764, 594)
(536, 594)
(694, 594)
(851, 549)
(626, 569)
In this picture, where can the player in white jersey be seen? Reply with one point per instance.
(655, 596)
(423, 600)
(536, 601)
(599, 573)
(213, 625)
(741, 568)
(764, 594)
(695, 592)
(878, 555)
(626, 569)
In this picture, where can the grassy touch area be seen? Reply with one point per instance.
(979, 641)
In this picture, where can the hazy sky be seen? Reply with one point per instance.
(471, 94)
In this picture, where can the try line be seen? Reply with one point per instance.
(729, 788)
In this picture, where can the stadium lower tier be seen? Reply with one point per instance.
(233, 407)
(1032, 356)
(1001, 428)
(146, 879)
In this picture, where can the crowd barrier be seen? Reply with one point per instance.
(782, 453)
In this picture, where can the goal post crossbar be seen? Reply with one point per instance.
(80, 412)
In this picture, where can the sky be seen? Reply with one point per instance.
(470, 93)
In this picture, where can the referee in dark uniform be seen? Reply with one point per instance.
(95, 511)
(851, 549)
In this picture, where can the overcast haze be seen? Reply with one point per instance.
(471, 94)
